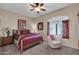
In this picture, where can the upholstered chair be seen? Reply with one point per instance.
(54, 42)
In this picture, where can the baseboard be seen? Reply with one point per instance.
(71, 47)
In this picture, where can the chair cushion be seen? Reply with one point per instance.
(52, 37)
(56, 42)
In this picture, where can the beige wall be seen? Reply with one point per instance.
(9, 19)
(70, 11)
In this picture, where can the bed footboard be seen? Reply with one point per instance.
(25, 45)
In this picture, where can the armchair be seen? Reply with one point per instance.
(54, 42)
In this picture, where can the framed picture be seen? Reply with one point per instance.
(40, 26)
(21, 24)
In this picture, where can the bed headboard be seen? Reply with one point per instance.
(20, 32)
(17, 33)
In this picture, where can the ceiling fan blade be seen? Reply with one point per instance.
(32, 5)
(41, 4)
(43, 9)
(37, 4)
(31, 9)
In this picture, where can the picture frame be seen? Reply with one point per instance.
(40, 26)
(21, 24)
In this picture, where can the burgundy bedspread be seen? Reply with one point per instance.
(28, 39)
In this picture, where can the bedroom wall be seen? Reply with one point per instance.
(70, 11)
(9, 19)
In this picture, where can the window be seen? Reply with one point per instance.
(59, 26)
(55, 28)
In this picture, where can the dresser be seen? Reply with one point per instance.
(5, 40)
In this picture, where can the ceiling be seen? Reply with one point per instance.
(23, 8)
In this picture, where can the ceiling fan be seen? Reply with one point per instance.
(37, 7)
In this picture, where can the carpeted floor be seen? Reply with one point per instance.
(40, 49)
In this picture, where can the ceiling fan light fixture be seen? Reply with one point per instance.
(37, 9)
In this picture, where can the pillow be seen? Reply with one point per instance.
(24, 32)
(21, 32)
(52, 37)
(15, 31)
(15, 34)
(28, 31)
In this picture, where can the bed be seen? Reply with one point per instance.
(23, 39)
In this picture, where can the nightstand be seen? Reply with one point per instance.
(5, 40)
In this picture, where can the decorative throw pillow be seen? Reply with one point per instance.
(52, 37)
(24, 32)
(15, 34)
(21, 32)
(28, 31)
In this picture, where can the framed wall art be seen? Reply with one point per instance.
(40, 26)
(21, 24)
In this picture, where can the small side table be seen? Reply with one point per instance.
(6, 40)
(0, 41)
